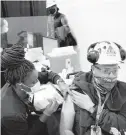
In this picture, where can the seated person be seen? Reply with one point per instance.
(21, 76)
(97, 101)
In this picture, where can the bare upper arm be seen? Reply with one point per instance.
(67, 115)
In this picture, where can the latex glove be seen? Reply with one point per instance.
(114, 131)
(51, 108)
(64, 88)
(82, 100)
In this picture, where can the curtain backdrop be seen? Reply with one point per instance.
(23, 8)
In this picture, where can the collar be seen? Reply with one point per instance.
(20, 93)
(24, 98)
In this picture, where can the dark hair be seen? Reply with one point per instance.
(17, 67)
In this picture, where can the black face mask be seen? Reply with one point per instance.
(52, 11)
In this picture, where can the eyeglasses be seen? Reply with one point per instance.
(107, 70)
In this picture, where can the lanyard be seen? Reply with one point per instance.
(100, 106)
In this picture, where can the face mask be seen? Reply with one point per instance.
(33, 89)
(107, 83)
(36, 87)
(52, 11)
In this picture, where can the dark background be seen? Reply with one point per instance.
(23, 8)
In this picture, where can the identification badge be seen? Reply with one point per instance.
(96, 130)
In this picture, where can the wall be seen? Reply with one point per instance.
(96, 20)
(31, 24)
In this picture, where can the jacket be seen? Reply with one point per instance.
(114, 112)
(15, 113)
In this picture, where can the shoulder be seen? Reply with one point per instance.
(43, 76)
(59, 15)
(83, 76)
(82, 81)
(122, 87)
(10, 102)
(121, 83)
(80, 73)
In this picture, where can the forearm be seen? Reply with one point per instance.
(53, 77)
(48, 76)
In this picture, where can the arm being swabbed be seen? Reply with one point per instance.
(67, 117)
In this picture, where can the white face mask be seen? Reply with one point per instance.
(33, 89)
(36, 87)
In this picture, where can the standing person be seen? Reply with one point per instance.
(97, 102)
(58, 26)
(22, 77)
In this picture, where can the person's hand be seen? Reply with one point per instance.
(51, 108)
(64, 88)
(114, 131)
(82, 100)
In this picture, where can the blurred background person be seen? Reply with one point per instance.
(57, 26)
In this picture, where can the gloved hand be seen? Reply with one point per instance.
(64, 88)
(82, 100)
(51, 108)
